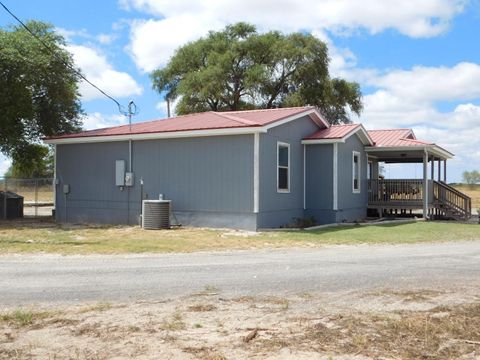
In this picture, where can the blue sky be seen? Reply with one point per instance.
(418, 63)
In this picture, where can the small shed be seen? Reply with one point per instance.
(13, 203)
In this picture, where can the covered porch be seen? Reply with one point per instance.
(430, 195)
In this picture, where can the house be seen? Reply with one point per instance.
(245, 169)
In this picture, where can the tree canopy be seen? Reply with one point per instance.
(471, 177)
(38, 163)
(238, 68)
(38, 91)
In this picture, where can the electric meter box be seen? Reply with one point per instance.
(129, 179)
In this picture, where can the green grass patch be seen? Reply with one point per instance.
(22, 317)
(16, 237)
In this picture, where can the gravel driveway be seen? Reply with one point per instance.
(27, 279)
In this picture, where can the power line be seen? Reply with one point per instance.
(53, 52)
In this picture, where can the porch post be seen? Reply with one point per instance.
(425, 183)
(432, 168)
(439, 164)
(445, 171)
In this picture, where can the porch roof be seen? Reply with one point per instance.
(401, 146)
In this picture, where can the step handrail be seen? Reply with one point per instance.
(451, 188)
(465, 209)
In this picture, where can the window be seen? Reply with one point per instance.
(283, 167)
(369, 170)
(356, 172)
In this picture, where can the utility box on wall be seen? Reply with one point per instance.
(129, 179)
(120, 173)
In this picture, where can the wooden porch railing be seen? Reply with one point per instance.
(453, 202)
(445, 200)
(408, 192)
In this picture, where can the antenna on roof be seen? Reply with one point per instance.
(132, 110)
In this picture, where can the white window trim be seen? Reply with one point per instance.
(256, 172)
(335, 176)
(356, 191)
(285, 191)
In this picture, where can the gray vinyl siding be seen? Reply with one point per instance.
(277, 209)
(208, 179)
(89, 170)
(319, 183)
(351, 206)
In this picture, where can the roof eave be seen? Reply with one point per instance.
(157, 135)
(322, 141)
(431, 148)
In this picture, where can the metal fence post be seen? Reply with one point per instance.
(36, 198)
(5, 198)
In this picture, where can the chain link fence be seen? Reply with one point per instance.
(26, 197)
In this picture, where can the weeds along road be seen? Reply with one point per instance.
(30, 279)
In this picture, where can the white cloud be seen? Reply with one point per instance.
(100, 72)
(163, 107)
(408, 98)
(97, 120)
(106, 39)
(69, 34)
(417, 19)
(461, 82)
(153, 41)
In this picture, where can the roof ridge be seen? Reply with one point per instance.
(339, 125)
(236, 118)
(417, 141)
(272, 109)
(149, 121)
(402, 129)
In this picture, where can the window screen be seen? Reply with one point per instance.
(356, 172)
(283, 167)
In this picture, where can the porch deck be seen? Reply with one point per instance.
(409, 194)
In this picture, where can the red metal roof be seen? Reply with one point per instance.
(395, 137)
(200, 121)
(333, 132)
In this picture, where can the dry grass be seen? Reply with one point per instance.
(202, 307)
(446, 332)
(43, 194)
(317, 326)
(436, 334)
(28, 236)
(204, 353)
(174, 322)
(473, 191)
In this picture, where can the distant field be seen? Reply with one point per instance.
(473, 191)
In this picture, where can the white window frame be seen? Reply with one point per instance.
(358, 155)
(287, 190)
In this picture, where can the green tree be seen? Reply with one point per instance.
(238, 68)
(38, 91)
(37, 164)
(471, 177)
